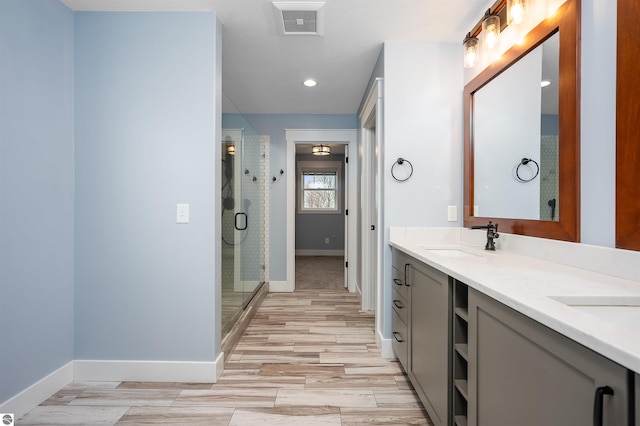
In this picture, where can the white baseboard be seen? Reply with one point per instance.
(356, 289)
(385, 346)
(148, 371)
(38, 392)
(112, 371)
(281, 287)
(319, 252)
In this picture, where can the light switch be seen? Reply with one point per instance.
(475, 211)
(182, 213)
(452, 213)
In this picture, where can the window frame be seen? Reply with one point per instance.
(303, 167)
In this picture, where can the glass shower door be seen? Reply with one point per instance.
(243, 221)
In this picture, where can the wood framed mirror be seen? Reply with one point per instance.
(627, 116)
(565, 26)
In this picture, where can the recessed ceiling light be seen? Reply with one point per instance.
(545, 83)
(310, 82)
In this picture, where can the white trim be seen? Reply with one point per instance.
(38, 392)
(319, 252)
(281, 287)
(293, 137)
(148, 371)
(385, 346)
(371, 145)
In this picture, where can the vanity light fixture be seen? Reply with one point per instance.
(516, 10)
(487, 30)
(490, 30)
(310, 82)
(231, 149)
(321, 150)
(471, 51)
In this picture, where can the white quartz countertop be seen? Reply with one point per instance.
(540, 289)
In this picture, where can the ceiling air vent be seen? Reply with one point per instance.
(299, 18)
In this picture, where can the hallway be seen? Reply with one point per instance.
(307, 358)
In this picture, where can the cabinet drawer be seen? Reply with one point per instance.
(399, 339)
(400, 283)
(400, 306)
(399, 259)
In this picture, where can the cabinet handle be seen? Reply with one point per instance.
(598, 403)
(398, 304)
(406, 274)
(395, 336)
(397, 281)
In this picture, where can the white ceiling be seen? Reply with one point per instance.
(262, 71)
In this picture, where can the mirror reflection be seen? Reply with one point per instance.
(516, 139)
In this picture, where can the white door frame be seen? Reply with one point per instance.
(371, 117)
(347, 137)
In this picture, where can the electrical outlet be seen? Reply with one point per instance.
(452, 213)
(327, 241)
(475, 211)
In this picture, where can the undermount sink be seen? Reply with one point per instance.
(452, 252)
(622, 310)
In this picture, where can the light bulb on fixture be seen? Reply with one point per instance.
(321, 150)
(516, 10)
(490, 31)
(471, 53)
(231, 149)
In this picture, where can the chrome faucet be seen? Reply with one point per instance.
(492, 232)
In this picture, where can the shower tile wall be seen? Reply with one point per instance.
(548, 175)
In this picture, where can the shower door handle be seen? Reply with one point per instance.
(246, 221)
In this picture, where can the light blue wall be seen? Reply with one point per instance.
(36, 191)
(145, 132)
(274, 125)
(423, 124)
(549, 124)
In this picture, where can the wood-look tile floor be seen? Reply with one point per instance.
(307, 358)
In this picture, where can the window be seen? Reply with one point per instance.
(319, 186)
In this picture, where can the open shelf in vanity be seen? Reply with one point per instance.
(460, 353)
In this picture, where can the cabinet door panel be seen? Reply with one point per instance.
(400, 340)
(523, 373)
(429, 340)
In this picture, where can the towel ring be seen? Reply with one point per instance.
(524, 162)
(399, 162)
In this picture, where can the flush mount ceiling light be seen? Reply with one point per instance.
(321, 150)
(310, 82)
(299, 18)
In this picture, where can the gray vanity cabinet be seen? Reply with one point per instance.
(400, 307)
(420, 331)
(429, 339)
(637, 402)
(523, 373)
